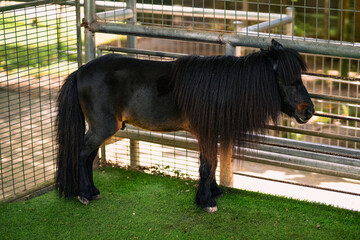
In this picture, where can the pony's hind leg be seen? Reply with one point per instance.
(204, 196)
(94, 137)
(95, 192)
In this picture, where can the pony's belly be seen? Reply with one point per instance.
(160, 122)
(151, 112)
(160, 127)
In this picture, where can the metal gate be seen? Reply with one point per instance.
(37, 51)
(327, 33)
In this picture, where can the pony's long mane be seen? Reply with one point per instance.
(225, 98)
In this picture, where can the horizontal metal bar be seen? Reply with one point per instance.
(118, 14)
(206, 12)
(159, 138)
(310, 162)
(333, 77)
(175, 10)
(150, 31)
(268, 25)
(315, 147)
(314, 133)
(345, 167)
(334, 116)
(234, 39)
(335, 98)
(309, 154)
(315, 46)
(139, 51)
(297, 166)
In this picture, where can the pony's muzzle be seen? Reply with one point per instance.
(305, 111)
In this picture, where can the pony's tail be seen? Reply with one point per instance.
(70, 126)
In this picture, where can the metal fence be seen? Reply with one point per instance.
(37, 51)
(39, 42)
(326, 33)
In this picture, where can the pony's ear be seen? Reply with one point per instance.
(273, 60)
(276, 45)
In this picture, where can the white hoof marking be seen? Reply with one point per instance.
(83, 200)
(211, 209)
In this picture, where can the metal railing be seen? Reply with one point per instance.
(175, 10)
(249, 36)
(312, 157)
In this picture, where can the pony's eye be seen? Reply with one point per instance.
(297, 82)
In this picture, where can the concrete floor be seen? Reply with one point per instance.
(257, 173)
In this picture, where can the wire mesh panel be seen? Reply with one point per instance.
(161, 159)
(324, 19)
(37, 51)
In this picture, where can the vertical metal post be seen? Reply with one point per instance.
(131, 40)
(90, 16)
(78, 33)
(289, 27)
(134, 153)
(229, 49)
(226, 161)
(245, 8)
(326, 19)
(226, 168)
(103, 146)
(238, 25)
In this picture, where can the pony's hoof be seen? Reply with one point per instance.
(97, 197)
(211, 209)
(83, 200)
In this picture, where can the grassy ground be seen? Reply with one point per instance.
(141, 206)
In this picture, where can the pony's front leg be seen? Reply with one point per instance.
(215, 189)
(204, 197)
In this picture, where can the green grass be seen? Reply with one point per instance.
(141, 206)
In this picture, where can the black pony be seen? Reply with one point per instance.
(222, 99)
